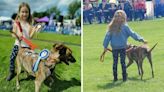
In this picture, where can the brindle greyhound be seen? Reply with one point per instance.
(27, 57)
(138, 54)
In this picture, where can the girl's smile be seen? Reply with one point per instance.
(24, 13)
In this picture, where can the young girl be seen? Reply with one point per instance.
(25, 19)
(117, 34)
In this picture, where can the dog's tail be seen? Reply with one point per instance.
(153, 47)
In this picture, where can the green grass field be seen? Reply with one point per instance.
(98, 75)
(67, 78)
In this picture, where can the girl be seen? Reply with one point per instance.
(25, 19)
(117, 34)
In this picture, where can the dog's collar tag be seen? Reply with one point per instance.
(42, 55)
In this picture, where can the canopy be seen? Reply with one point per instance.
(44, 19)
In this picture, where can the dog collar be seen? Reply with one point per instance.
(44, 54)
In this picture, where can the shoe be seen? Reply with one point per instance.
(125, 77)
(11, 76)
(115, 79)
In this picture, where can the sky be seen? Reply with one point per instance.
(8, 7)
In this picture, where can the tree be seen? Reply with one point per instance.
(48, 12)
(40, 14)
(54, 10)
(73, 7)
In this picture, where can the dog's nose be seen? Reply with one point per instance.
(73, 60)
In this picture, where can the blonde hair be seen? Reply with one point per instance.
(29, 19)
(118, 20)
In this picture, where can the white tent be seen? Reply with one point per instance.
(3, 18)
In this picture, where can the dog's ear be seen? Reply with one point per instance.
(57, 46)
(63, 50)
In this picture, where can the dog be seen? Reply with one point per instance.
(26, 58)
(138, 54)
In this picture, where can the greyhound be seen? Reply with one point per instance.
(138, 54)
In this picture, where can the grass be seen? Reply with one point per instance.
(98, 76)
(67, 78)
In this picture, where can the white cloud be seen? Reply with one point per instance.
(8, 7)
(65, 2)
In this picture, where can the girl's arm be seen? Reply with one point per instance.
(105, 44)
(15, 31)
(134, 35)
(107, 39)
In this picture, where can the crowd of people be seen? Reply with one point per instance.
(102, 12)
(159, 8)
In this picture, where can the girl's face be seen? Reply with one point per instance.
(24, 13)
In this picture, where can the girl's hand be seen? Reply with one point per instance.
(38, 27)
(35, 29)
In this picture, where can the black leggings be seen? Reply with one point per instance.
(12, 57)
(116, 53)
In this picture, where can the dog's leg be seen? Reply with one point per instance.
(150, 61)
(141, 68)
(130, 62)
(37, 85)
(38, 81)
(18, 72)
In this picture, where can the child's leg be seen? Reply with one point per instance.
(115, 62)
(12, 64)
(12, 58)
(122, 56)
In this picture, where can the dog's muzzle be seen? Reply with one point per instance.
(66, 60)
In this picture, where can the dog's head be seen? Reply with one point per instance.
(61, 53)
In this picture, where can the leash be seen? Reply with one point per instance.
(28, 42)
(103, 54)
(110, 50)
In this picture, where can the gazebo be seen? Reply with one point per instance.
(44, 19)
